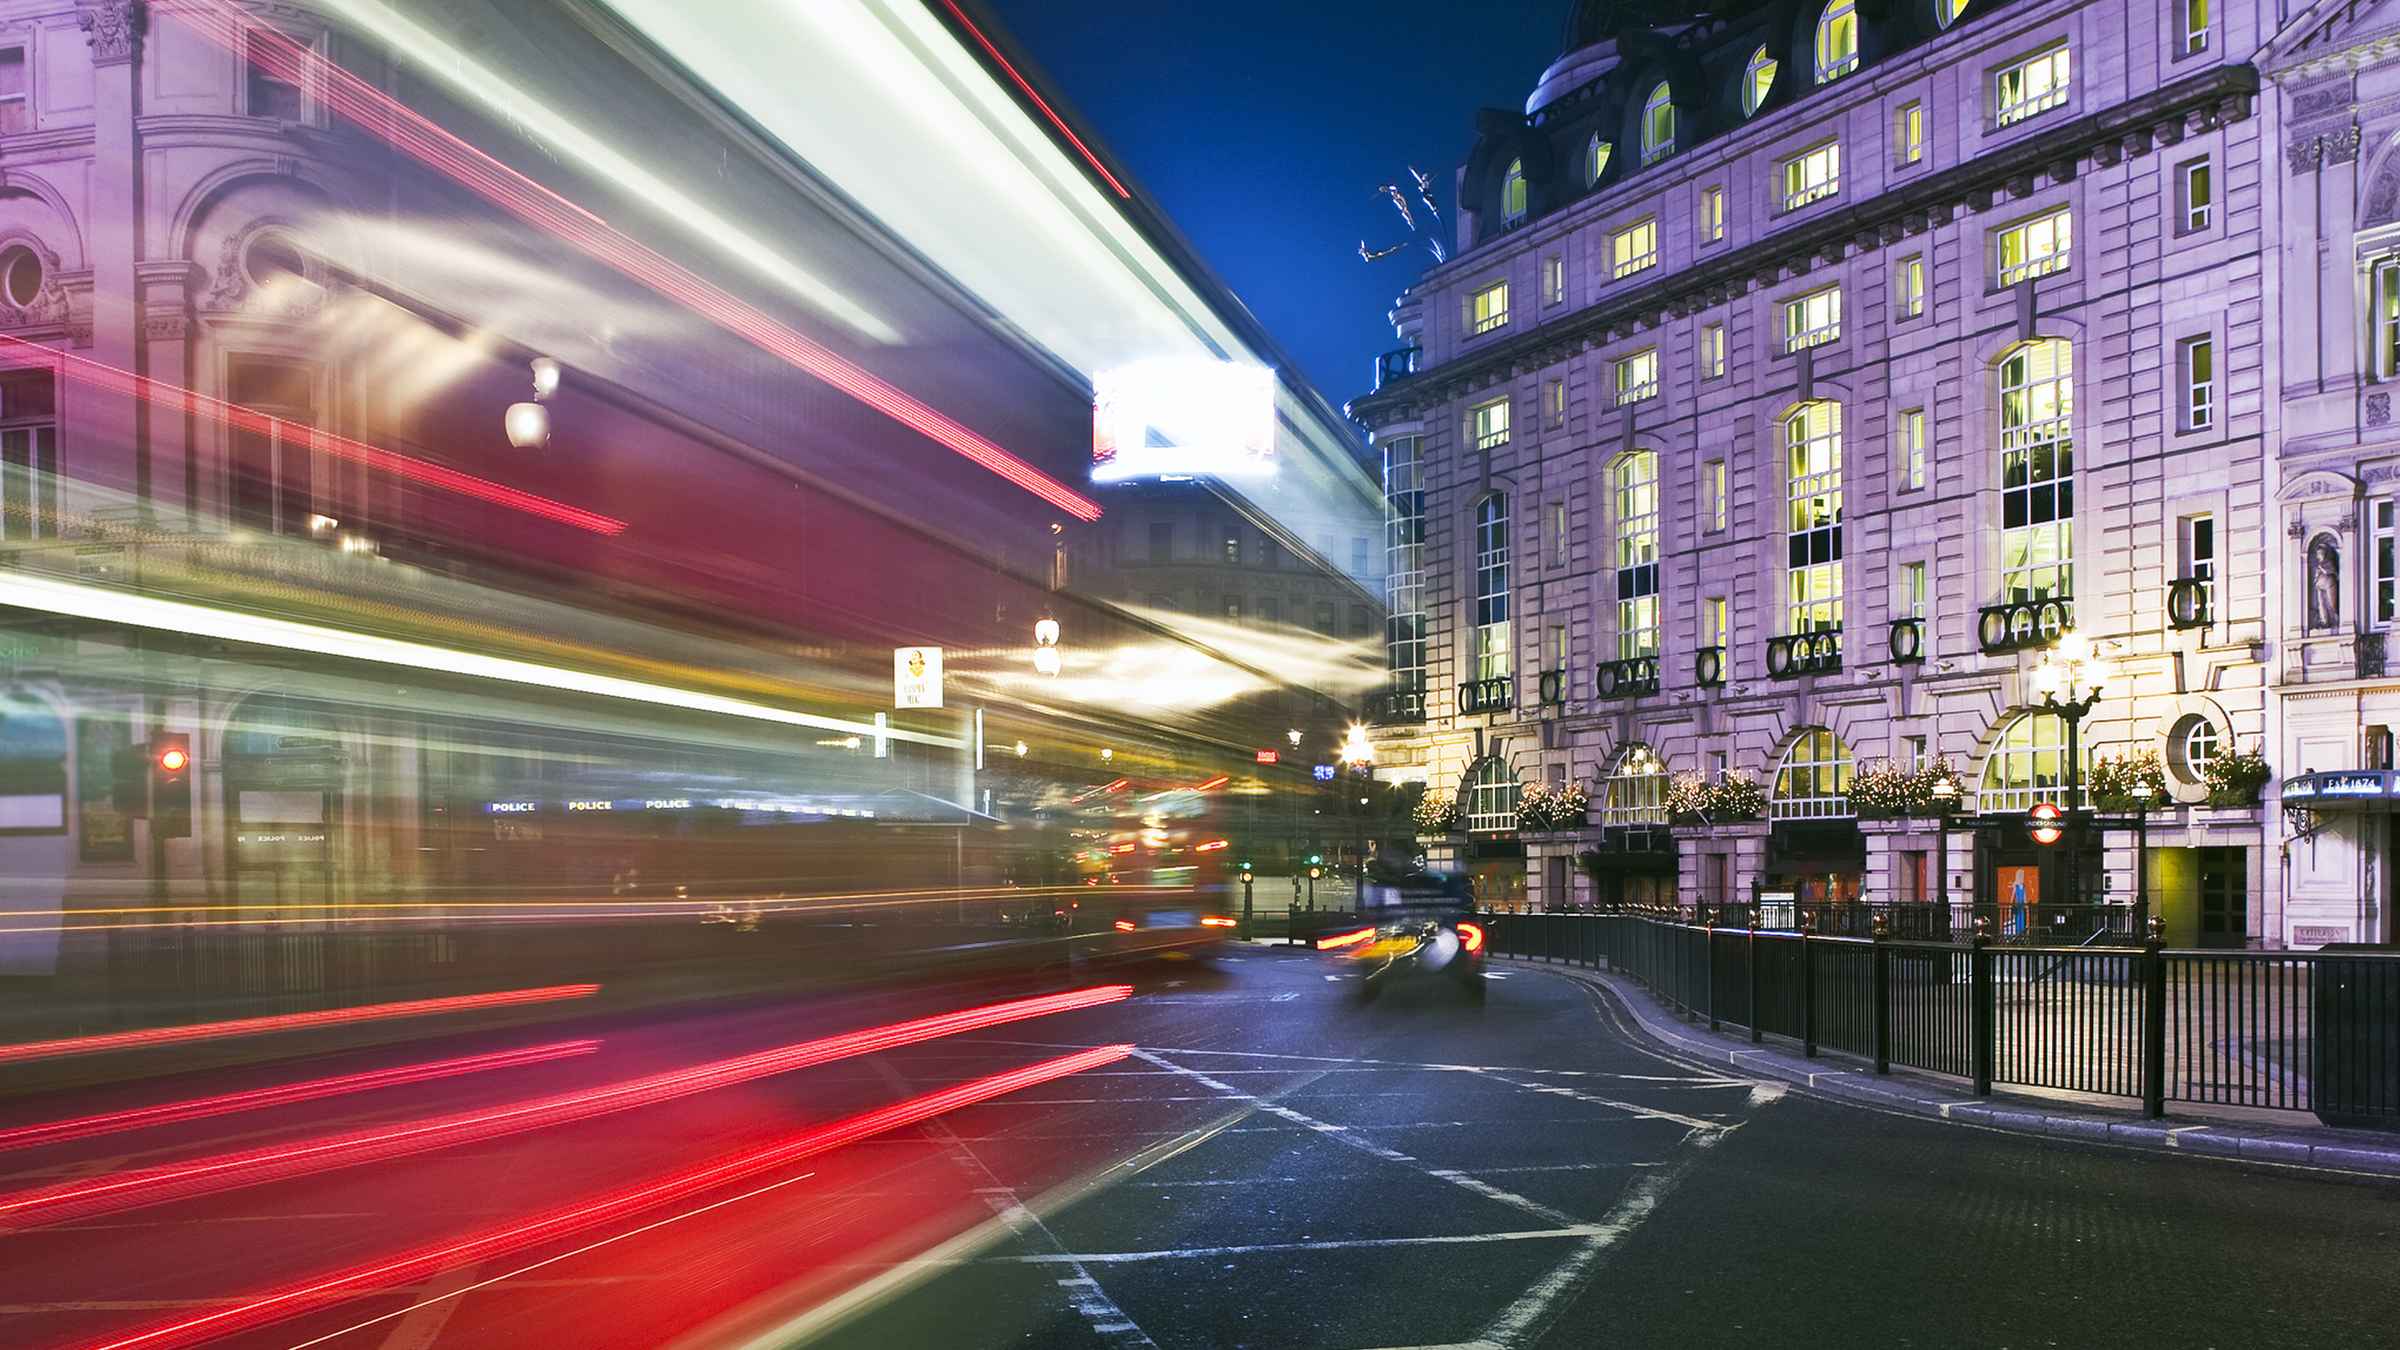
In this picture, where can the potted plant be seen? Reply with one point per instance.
(2113, 780)
(2236, 777)
(1687, 798)
(1736, 796)
(1886, 789)
(1542, 808)
(1437, 814)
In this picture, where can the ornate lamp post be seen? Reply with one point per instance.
(1945, 800)
(2069, 680)
(1359, 757)
(2142, 793)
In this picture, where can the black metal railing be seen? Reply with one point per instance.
(2017, 624)
(1553, 687)
(1907, 640)
(2369, 653)
(1397, 364)
(2191, 603)
(1708, 667)
(1396, 707)
(1483, 696)
(1628, 678)
(2295, 1031)
(1791, 655)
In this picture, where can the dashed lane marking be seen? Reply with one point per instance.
(1631, 1108)
(1586, 1231)
(1362, 1064)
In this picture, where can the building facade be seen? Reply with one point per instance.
(1802, 375)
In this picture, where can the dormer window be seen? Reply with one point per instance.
(1758, 80)
(1512, 194)
(1837, 41)
(1595, 160)
(1658, 124)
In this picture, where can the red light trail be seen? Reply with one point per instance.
(138, 1187)
(414, 1266)
(1351, 939)
(1026, 86)
(410, 132)
(101, 375)
(252, 1026)
(284, 1094)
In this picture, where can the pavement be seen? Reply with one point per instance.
(1273, 1164)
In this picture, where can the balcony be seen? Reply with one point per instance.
(1796, 654)
(1630, 678)
(1708, 667)
(1397, 365)
(1486, 696)
(1908, 641)
(2018, 624)
(2191, 602)
(1396, 707)
(1553, 688)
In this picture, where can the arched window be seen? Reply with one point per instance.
(1813, 782)
(1658, 124)
(1491, 796)
(1637, 789)
(2192, 743)
(1636, 482)
(2037, 471)
(1512, 194)
(1946, 12)
(1595, 160)
(2027, 764)
(1404, 563)
(1758, 81)
(1837, 41)
(1812, 442)
(1491, 588)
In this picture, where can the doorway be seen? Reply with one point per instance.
(2224, 897)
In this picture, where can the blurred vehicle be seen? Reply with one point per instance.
(1419, 926)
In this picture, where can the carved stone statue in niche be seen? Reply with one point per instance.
(2324, 584)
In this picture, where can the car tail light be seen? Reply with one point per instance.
(1213, 921)
(1350, 939)
(1470, 936)
(1125, 925)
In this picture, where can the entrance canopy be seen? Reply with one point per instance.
(2358, 791)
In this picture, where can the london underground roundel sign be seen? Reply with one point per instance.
(2043, 822)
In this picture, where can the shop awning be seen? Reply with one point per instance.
(2351, 790)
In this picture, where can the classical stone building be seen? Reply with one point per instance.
(1800, 375)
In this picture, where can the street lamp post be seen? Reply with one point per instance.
(1945, 798)
(2142, 793)
(2069, 679)
(1358, 756)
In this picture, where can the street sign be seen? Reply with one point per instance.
(2043, 823)
(1270, 757)
(1324, 772)
(916, 677)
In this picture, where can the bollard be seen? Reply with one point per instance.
(2154, 1018)
(1882, 974)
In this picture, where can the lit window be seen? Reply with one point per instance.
(1487, 309)
(2198, 538)
(1637, 789)
(1634, 248)
(2037, 471)
(1658, 124)
(1491, 588)
(1911, 600)
(1713, 503)
(2027, 764)
(1712, 214)
(1812, 319)
(16, 112)
(1758, 81)
(1595, 160)
(2199, 364)
(2387, 561)
(1233, 548)
(1637, 375)
(1712, 350)
(1908, 132)
(1637, 554)
(1491, 797)
(1910, 430)
(2386, 319)
(1837, 41)
(1512, 194)
(1946, 12)
(2196, 746)
(1554, 401)
(1813, 782)
(1716, 624)
(1812, 175)
(1554, 279)
(2035, 84)
(1490, 423)
(2036, 247)
(1910, 286)
(1558, 534)
(1812, 440)
(2195, 27)
(1404, 566)
(2198, 192)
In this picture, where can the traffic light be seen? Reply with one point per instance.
(1315, 858)
(2043, 823)
(1315, 871)
(171, 786)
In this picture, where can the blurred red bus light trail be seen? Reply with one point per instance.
(1351, 939)
(284, 1094)
(253, 1026)
(136, 1188)
(414, 1266)
(233, 28)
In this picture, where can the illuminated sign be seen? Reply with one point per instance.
(916, 677)
(2042, 822)
(1183, 418)
(2353, 784)
(1270, 757)
(512, 808)
(579, 804)
(1324, 772)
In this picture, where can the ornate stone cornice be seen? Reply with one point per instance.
(113, 27)
(2223, 94)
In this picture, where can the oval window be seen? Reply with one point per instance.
(21, 276)
(271, 258)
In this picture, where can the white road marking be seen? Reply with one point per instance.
(1581, 1230)
(422, 1325)
(1320, 1178)
(1632, 1108)
(1361, 1064)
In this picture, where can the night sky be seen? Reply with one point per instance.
(1265, 126)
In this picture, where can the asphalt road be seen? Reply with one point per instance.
(1272, 1165)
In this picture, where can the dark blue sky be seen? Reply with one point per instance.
(1265, 126)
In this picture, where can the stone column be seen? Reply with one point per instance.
(178, 489)
(1743, 847)
(111, 453)
(1888, 844)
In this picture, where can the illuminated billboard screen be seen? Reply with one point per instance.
(1183, 419)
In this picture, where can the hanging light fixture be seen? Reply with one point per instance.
(1046, 659)
(528, 424)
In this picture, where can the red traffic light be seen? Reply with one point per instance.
(2043, 823)
(174, 759)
